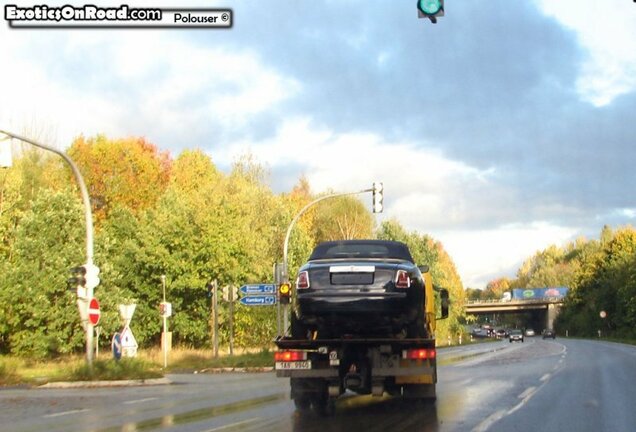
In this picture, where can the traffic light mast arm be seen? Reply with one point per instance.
(300, 213)
(78, 177)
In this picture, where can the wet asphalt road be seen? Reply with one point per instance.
(564, 385)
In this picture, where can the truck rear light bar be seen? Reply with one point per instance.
(290, 356)
(303, 280)
(402, 279)
(419, 354)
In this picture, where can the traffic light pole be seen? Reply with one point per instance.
(288, 235)
(88, 216)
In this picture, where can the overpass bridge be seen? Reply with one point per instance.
(545, 309)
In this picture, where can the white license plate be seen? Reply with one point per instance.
(305, 364)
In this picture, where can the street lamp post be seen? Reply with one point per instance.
(88, 216)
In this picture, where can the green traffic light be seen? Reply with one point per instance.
(429, 7)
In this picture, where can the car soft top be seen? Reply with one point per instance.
(355, 249)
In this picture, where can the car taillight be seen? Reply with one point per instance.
(303, 280)
(402, 279)
(419, 354)
(289, 356)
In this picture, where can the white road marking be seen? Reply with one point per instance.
(545, 377)
(527, 392)
(232, 425)
(63, 413)
(485, 425)
(131, 402)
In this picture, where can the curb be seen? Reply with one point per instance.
(236, 369)
(120, 383)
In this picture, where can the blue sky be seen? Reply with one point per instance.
(504, 128)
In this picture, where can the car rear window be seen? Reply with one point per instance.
(354, 249)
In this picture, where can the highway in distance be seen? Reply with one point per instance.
(540, 385)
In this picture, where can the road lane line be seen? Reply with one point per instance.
(545, 377)
(493, 418)
(232, 425)
(63, 413)
(527, 392)
(131, 402)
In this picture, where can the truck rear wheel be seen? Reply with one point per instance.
(302, 403)
(323, 404)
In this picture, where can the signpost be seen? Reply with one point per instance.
(117, 347)
(93, 311)
(128, 341)
(258, 300)
(258, 289)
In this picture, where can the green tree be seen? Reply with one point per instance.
(40, 316)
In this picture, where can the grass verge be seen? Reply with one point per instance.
(148, 364)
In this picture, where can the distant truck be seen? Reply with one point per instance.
(507, 296)
(364, 318)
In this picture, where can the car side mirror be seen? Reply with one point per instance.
(423, 268)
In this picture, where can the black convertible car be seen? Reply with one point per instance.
(359, 287)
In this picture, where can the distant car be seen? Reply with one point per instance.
(529, 332)
(479, 333)
(515, 335)
(501, 333)
(549, 334)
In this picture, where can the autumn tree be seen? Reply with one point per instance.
(129, 172)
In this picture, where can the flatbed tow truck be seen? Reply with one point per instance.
(320, 370)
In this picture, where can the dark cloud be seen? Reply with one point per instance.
(492, 85)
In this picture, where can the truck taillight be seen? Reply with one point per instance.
(289, 356)
(402, 279)
(303, 280)
(419, 354)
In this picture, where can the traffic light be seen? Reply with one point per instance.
(284, 293)
(378, 197)
(78, 278)
(92, 278)
(230, 293)
(430, 9)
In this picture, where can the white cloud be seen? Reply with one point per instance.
(607, 30)
(481, 255)
(132, 83)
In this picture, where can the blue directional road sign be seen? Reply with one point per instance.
(258, 289)
(258, 300)
(116, 345)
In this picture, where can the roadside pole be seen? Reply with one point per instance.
(215, 319)
(164, 335)
(231, 297)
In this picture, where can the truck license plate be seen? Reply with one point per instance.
(306, 364)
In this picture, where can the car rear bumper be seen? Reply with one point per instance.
(318, 303)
